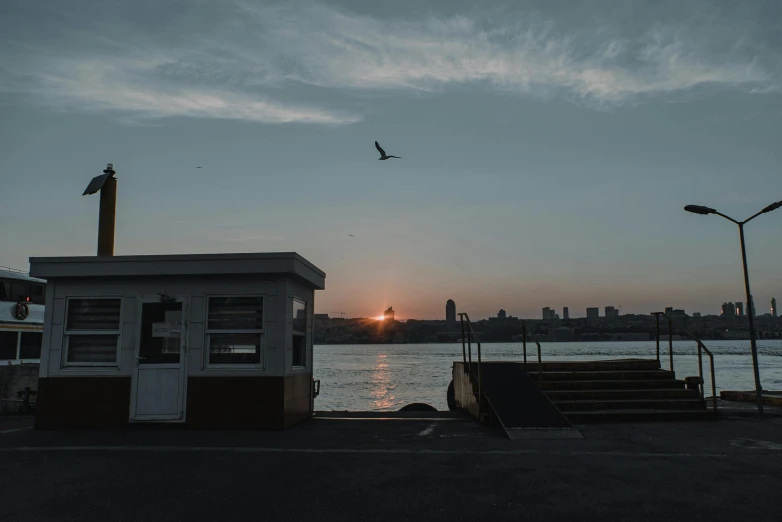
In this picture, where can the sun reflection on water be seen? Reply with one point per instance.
(382, 387)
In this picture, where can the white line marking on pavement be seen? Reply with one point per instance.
(16, 429)
(427, 431)
(378, 451)
(756, 444)
(430, 419)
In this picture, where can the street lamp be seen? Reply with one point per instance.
(699, 209)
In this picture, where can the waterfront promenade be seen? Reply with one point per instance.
(441, 467)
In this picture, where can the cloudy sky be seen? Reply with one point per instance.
(547, 149)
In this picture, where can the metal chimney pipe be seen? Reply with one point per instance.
(106, 218)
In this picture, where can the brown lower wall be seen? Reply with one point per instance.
(82, 402)
(212, 402)
(298, 398)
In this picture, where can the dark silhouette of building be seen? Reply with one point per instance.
(565, 313)
(593, 313)
(774, 312)
(740, 309)
(669, 311)
(389, 314)
(450, 311)
(501, 314)
(728, 310)
(611, 311)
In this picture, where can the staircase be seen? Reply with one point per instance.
(617, 391)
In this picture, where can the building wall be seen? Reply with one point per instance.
(276, 337)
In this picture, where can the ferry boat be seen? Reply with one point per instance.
(22, 303)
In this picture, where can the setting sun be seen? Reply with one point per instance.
(380, 318)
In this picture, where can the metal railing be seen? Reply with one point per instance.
(470, 337)
(701, 348)
(524, 349)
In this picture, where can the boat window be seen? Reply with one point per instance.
(37, 293)
(8, 341)
(5, 291)
(20, 291)
(30, 345)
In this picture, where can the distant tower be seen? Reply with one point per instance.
(389, 314)
(740, 309)
(728, 310)
(611, 311)
(593, 313)
(669, 311)
(546, 313)
(774, 312)
(450, 311)
(501, 314)
(565, 313)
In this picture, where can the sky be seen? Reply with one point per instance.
(547, 148)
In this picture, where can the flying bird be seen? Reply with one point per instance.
(383, 155)
(198, 167)
(351, 235)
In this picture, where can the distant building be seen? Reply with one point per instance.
(546, 313)
(740, 309)
(593, 313)
(561, 334)
(728, 310)
(450, 311)
(679, 314)
(502, 314)
(565, 314)
(669, 311)
(389, 314)
(611, 311)
(696, 315)
(774, 312)
(321, 317)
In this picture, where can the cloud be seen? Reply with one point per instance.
(286, 63)
(338, 50)
(129, 85)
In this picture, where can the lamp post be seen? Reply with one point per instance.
(699, 209)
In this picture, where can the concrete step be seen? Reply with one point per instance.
(643, 375)
(610, 365)
(621, 394)
(632, 404)
(598, 384)
(587, 417)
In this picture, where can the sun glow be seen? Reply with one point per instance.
(380, 318)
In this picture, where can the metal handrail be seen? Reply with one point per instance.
(701, 346)
(540, 368)
(467, 356)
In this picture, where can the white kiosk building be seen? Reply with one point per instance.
(208, 340)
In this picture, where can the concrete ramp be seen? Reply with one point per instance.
(523, 411)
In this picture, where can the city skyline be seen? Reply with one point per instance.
(547, 150)
(549, 313)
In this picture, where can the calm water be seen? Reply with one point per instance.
(385, 377)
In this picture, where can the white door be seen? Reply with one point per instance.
(158, 387)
